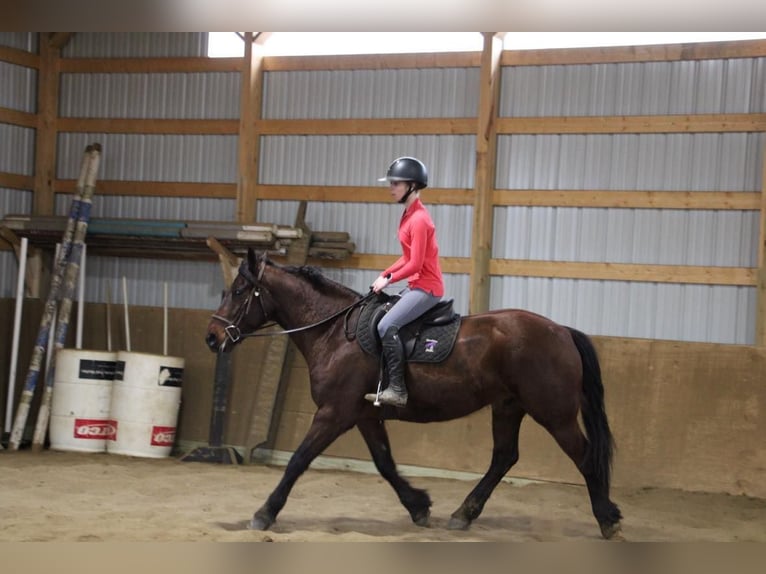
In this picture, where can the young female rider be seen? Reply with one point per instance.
(419, 264)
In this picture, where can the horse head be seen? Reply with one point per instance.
(243, 308)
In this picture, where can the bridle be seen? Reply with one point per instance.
(232, 329)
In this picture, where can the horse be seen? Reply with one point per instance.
(517, 362)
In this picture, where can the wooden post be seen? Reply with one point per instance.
(45, 139)
(486, 151)
(760, 320)
(250, 112)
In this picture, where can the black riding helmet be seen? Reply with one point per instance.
(407, 169)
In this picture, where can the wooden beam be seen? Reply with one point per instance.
(624, 54)
(354, 194)
(692, 123)
(249, 138)
(626, 272)
(16, 181)
(373, 61)
(486, 153)
(638, 199)
(19, 57)
(760, 320)
(148, 126)
(58, 40)
(155, 188)
(405, 126)
(149, 65)
(45, 140)
(18, 118)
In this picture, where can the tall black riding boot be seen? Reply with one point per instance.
(393, 352)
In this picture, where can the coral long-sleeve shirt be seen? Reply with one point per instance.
(419, 262)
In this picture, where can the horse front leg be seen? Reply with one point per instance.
(416, 501)
(325, 428)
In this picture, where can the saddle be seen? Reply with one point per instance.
(428, 339)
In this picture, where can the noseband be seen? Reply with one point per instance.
(232, 329)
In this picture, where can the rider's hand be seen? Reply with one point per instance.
(380, 283)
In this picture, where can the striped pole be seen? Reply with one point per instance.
(41, 343)
(71, 275)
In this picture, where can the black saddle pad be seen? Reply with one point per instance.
(424, 342)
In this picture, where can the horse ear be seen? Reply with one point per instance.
(251, 264)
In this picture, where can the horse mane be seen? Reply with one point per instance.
(318, 280)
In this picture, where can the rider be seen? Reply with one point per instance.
(419, 264)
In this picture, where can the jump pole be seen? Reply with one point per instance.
(71, 275)
(16, 334)
(41, 343)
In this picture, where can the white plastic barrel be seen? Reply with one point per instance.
(146, 398)
(82, 393)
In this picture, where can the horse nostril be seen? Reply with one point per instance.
(212, 341)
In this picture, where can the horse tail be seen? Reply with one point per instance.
(598, 453)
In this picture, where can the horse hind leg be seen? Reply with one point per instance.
(506, 422)
(573, 442)
(416, 501)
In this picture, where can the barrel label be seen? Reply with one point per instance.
(97, 370)
(170, 377)
(119, 370)
(99, 429)
(163, 436)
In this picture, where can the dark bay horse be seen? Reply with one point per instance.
(517, 362)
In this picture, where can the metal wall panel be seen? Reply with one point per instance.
(642, 88)
(191, 284)
(17, 152)
(26, 41)
(210, 95)
(181, 158)
(19, 87)
(136, 45)
(12, 201)
(648, 236)
(687, 162)
(703, 313)
(398, 93)
(361, 160)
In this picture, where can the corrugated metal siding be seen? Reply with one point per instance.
(17, 152)
(26, 41)
(692, 87)
(19, 90)
(360, 160)
(650, 236)
(687, 162)
(136, 45)
(401, 93)
(12, 201)
(703, 313)
(182, 158)
(191, 284)
(209, 95)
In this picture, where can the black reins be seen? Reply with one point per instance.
(232, 326)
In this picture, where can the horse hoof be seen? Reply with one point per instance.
(456, 523)
(422, 519)
(612, 532)
(259, 523)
